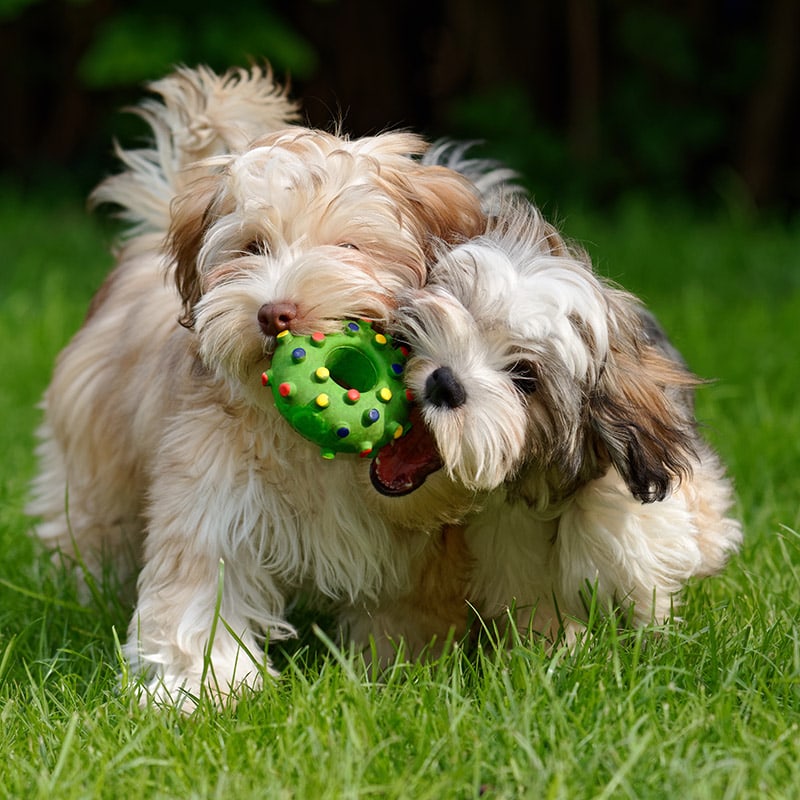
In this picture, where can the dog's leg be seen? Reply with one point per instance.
(429, 611)
(187, 635)
(205, 592)
(638, 555)
(513, 576)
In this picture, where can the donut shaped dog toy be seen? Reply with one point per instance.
(343, 391)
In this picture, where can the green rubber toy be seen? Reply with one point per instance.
(343, 391)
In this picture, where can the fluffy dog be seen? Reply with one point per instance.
(160, 448)
(557, 399)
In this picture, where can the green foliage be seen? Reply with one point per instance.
(140, 44)
(668, 114)
(9, 9)
(507, 118)
(705, 708)
(589, 101)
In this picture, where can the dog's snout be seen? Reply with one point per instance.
(442, 388)
(276, 317)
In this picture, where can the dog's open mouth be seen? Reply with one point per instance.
(402, 466)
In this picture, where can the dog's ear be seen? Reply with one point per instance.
(641, 416)
(191, 214)
(446, 205)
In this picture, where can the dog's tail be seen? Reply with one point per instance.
(196, 114)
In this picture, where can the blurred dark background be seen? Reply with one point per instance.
(693, 102)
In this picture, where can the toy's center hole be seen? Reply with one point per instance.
(351, 369)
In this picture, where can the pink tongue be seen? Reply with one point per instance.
(402, 466)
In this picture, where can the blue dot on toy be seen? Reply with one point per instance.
(343, 391)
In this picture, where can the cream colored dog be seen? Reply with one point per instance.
(160, 448)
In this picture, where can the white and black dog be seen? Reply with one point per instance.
(559, 401)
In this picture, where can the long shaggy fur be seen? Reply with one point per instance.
(160, 448)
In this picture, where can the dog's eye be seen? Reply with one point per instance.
(348, 245)
(257, 247)
(523, 374)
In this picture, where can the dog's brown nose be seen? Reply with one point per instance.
(276, 317)
(442, 388)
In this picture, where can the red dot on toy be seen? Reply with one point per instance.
(285, 389)
(264, 379)
(353, 395)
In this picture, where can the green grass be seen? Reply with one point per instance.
(708, 708)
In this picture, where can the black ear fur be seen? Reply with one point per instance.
(643, 426)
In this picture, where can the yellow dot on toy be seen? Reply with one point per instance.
(282, 334)
(385, 394)
(380, 339)
(322, 374)
(322, 400)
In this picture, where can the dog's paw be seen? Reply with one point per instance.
(219, 686)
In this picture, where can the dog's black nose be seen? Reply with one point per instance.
(442, 388)
(276, 317)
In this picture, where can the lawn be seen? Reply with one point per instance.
(709, 707)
